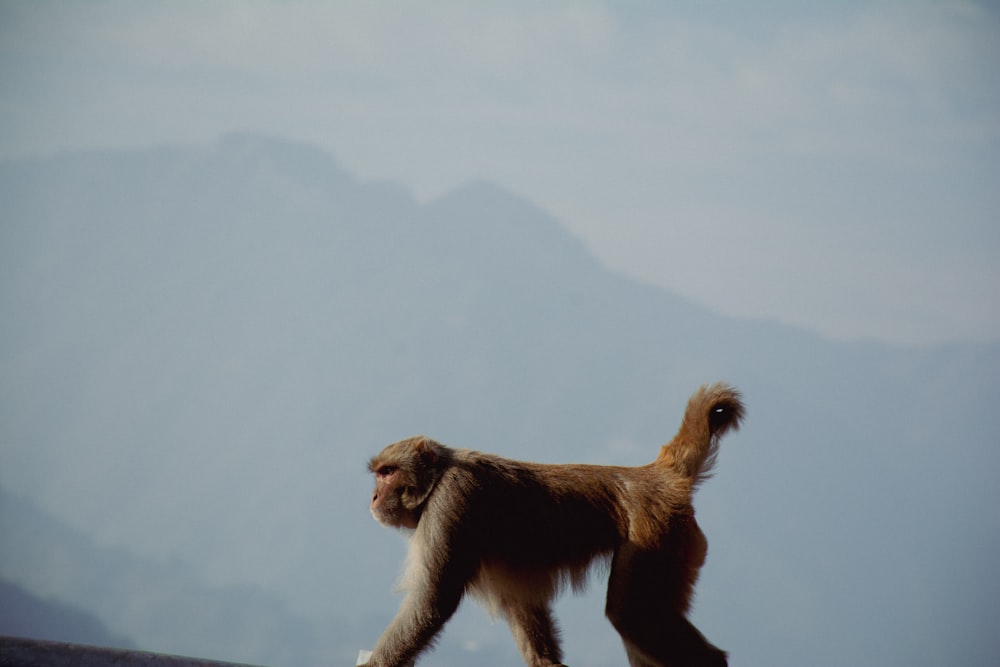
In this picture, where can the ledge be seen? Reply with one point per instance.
(19, 652)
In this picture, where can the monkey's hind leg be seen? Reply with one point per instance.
(648, 593)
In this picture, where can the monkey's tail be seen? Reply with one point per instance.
(711, 412)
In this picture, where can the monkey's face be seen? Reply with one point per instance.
(405, 473)
(388, 504)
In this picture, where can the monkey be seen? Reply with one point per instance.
(514, 534)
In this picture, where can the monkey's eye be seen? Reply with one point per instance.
(386, 470)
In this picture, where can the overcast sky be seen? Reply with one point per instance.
(830, 165)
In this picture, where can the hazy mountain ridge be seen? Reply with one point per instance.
(159, 606)
(207, 343)
(25, 615)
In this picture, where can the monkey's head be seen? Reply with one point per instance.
(405, 474)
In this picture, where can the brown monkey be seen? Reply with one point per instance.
(513, 534)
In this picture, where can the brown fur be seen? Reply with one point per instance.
(514, 534)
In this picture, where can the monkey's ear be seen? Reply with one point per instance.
(427, 450)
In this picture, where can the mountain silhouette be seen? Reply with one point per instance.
(201, 347)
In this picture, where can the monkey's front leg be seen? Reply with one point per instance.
(535, 633)
(420, 618)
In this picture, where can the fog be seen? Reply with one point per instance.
(243, 246)
(840, 160)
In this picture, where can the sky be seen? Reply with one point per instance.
(833, 166)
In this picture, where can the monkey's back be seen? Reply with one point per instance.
(559, 513)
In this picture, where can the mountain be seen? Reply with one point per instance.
(203, 346)
(161, 606)
(25, 615)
